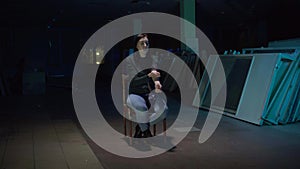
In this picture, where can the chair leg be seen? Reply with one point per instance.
(125, 126)
(125, 120)
(130, 128)
(165, 126)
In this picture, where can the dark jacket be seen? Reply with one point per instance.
(141, 84)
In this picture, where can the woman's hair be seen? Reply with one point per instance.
(137, 38)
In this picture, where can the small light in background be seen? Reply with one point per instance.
(98, 63)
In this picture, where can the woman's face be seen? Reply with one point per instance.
(143, 45)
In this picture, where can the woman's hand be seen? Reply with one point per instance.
(154, 74)
(157, 84)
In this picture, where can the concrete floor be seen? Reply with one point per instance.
(41, 132)
(34, 138)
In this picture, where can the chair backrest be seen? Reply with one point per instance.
(124, 88)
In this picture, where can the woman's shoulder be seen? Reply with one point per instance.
(129, 59)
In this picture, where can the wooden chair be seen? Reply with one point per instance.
(127, 112)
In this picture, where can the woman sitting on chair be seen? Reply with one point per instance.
(141, 99)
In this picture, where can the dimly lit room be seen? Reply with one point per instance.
(140, 84)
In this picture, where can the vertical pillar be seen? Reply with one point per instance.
(188, 33)
(137, 28)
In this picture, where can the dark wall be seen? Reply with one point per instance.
(236, 36)
(242, 26)
(55, 49)
(51, 50)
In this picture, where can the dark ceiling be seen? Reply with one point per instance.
(76, 12)
(280, 16)
(97, 12)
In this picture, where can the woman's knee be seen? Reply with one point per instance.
(137, 102)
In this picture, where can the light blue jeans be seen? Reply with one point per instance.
(145, 115)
